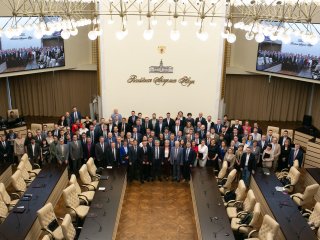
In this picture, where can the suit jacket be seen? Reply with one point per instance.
(101, 154)
(153, 125)
(160, 158)
(182, 121)
(95, 137)
(159, 130)
(191, 120)
(276, 151)
(76, 152)
(123, 129)
(209, 126)
(148, 125)
(124, 154)
(239, 127)
(5, 152)
(144, 156)
(190, 159)
(168, 123)
(112, 159)
(37, 151)
(203, 121)
(179, 159)
(141, 129)
(54, 133)
(72, 117)
(133, 155)
(281, 142)
(132, 122)
(299, 157)
(138, 138)
(263, 145)
(108, 141)
(88, 152)
(251, 163)
(217, 128)
(173, 129)
(62, 156)
(202, 135)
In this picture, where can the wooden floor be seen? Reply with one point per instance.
(157, 210)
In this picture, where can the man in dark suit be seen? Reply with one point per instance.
(201, 119)
(247, 166)
(169, 122)
(6, 154)
(295, 153)
(110, 139)
(153, 121)
(176, 160)
(135, 135)
(110, 125)
(75, 115)
(209, 124)
(284, 137)
(160, 126)
(113, 155)
(218, 126)
(148, 124)
(76, 154)
(133, 164)
(145, 159)
(237, 126)
(93, 134)
(189, 156)
(34, 152)
(123, 126)
(140, 127)
(132, 120)
(190, 119)
(88, 149)
(101, 150)
(157, 160)
(202, 132)
(176, 128)
(56, 131)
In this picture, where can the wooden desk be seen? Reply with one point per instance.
(20, 226)
(312, 176)
(5, 173)
(281, 207)
(208, 204)
(105, 224)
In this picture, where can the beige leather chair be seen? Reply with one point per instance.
(241, 193)
(302, 199)
(232, 122)
(15, 112)
(18, 183)
(35, 127)
(29, 166)
(72, 203)
(227, 186)
(86, 196)
(3, 211)
(46, 237)
(223, 171)
(92, 169)
(27, 177)
(86, 179)
(68, 229)
(313, 216)
(274, 129)
(253, 224)
(45, 216)
(50, 126)
(268, 230)
(285, 171)
(318, 234)
(290, 133)
(294, 176)
(5, 197)
(248, 206)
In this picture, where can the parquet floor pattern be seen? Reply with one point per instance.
(157, 211)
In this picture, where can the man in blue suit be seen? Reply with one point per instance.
(295, 153)
(176, 160)
(75, 115)
(189, 156)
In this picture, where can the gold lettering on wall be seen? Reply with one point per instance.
(185, 81)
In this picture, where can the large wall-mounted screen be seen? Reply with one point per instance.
(295, 55)
(27, 44)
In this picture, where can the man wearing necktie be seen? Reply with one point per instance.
(176, 161)
(295, 154)
(189, 156)
(157, 160)
(133, 161)
(114, 155)
(5, 153)
(145, 159)
(101, 153)
(76, 115)
(76, 154)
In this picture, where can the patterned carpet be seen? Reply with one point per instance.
(157, 211)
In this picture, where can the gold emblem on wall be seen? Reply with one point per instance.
(162, 49)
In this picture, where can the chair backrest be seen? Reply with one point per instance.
(25, 157)
(92, 169)
(269, 227)
(24, 171)
(17, 181)
(84, 174)
(50, 126)
(274, 129)
(73, 180)
(241, 191)
(70, 196)
(314, 217)
(230, 179)
(46, 215)
(309, 193)
(4, 196)
(68, 230)
(35, 127)
(3, 211)
(46, 237)
(15, 112)
(290, 133)
(296, 164)
(249, 202)
(275, 135)
(294, 175)
(255, 215)
(232, 122)
(223, 171)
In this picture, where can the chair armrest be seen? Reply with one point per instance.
(241, 213)
(87, 186)
(244, 225)
(36, 165)
(252, 232)
(48, 231)
(75, 211)
(220, 186)
(231, 203)
(94, 178)
(306, 215)
(84, 198)
(15, 195)
(293, 196)
(288, 186)
(284, 170)
(33, 173)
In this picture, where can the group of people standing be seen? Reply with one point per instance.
(154, 148)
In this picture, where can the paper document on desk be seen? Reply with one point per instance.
(280, 189)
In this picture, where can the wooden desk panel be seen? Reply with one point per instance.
(312, 176)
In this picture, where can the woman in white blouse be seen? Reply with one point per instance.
(267, 157)
(83, 129)
(203, 152)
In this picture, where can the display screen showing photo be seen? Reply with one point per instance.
(26, 48)
(296, 58)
